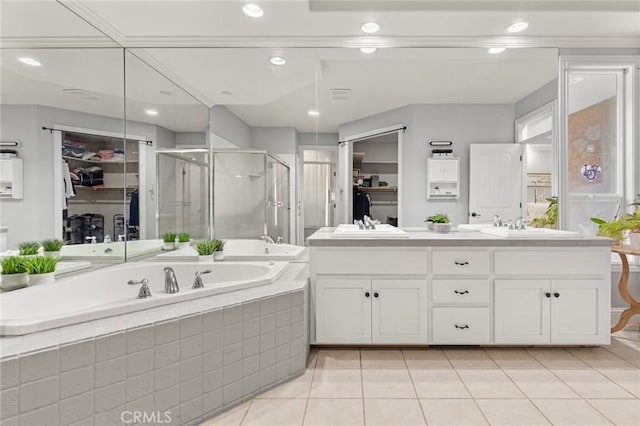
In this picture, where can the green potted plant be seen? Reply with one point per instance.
(52, 247)
(550, 218)
(613, 229)
(429, 222)
(183, 239)
(206, 249)
(41, 269)
(29, 248)
(169, 240)
(14, 273)
(218, 253)
(441, 223)
(633, 224)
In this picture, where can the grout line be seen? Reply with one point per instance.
(415, 390)
(601, 412)
(246, 412)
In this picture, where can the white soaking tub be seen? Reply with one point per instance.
(241, 250)
(105, 292)
(110, 251)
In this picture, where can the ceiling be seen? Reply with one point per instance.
(223, 55)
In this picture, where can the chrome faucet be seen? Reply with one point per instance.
(520, 224)
(197, 281)
(359, 223)
(368, 223)
(144, 290)
(497, 221)
(268, 239)
(170, 281)
(279, 241)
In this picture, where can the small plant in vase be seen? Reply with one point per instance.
(441, 223)
(169, 241)
(52, 247)
(29, 248)
(206, 249)
(183, 239)
(218, 253)
(41, 269)
(14, 273)
(613, 229)
(550, 218)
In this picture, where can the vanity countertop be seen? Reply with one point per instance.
(421, 237)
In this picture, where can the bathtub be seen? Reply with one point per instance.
(241, 250)
(110, 251)
(105, 292)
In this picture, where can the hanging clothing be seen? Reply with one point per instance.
(361, 205)
(134, 209)
(68, 190)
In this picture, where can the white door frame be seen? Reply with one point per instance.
(348, 191)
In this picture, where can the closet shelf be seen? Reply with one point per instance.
(378, 188)
(98, 161)
(105, 188)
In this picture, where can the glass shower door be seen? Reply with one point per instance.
(277, 200)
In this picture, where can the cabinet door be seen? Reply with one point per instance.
(343, 311)
(450, 170)
(436, 170)
(580, 312)
(399, 312)
(522, 312)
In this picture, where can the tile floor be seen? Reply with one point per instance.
(457, 386)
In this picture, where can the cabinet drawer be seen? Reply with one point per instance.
(461, 291)
(370, 260)
(556, 262)
(461, 326)
(461, 262)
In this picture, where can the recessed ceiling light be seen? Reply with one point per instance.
(495, 50)
(370, 28)
(277, 60)
(368, 49)
(517, 27)
(30, 61)
(313, 113)
(574, 80)
(151, 112)
(252, 10)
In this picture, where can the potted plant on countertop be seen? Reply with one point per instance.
(441, 223)
(633, 224)
(14, 273)
(206, 249)
(429, 221)
(550, 218)
(218, 254)
(29, 248)
(169, 240)
(52, 247)
(41, 269)
(183, 240)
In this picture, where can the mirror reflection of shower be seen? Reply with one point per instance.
(183, 192)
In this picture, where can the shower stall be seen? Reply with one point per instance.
(250, 195)
(183, 185)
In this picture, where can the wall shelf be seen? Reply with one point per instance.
(443, 178)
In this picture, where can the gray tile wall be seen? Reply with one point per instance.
(195, 367)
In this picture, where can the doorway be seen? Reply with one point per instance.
(318, 189)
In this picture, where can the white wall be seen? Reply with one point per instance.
(190, 138)
(537, 98)
(326, 139)
(229, 127)
(539, 159)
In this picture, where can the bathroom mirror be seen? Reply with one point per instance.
(77, 95)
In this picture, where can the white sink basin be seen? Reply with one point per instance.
(381, 231)
(474, 226)
(530, 233)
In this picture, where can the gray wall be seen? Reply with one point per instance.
(537, 98)
(229, 126)
(326, 139)
(276, 140)
(191, 138)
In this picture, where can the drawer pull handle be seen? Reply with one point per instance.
(547, 294)
(461, 292)
(367, 294)
(462, 327)
(556, 295)
(465, 263)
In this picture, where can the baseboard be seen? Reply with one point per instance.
(615, 316)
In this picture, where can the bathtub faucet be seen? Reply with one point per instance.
(144, 290)
(197, 282)
(268, 239)
(170, 281)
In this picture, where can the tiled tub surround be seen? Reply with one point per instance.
(242, 250)
(194, 359)
(105, 293)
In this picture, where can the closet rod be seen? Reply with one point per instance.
(96, 202)
(384, 203)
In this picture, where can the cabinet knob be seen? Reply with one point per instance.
(547, 294)
(474, 214)
(461, 327)
(367, 294)
(465, 263)
(461, 292)
(556, 294)
(375, 294)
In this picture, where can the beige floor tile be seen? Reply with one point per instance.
(576, 412)
(540, 384)
(397, 412)
(631, 332)
(489, 384)
(513, 358)
(312, 359)
(591, 384)
(448, 412)
(470, 359)
(336, 384)
(338, 358)
(438, 384)
(510, 412)
(232, 417)
(334, 412)
(557, 358)
(600, 358)
(426, 359)
(387, 384)
(622, 412)
(628, 380)
(382, 358)
(271, 412)
(296, 388)
(630, 355)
